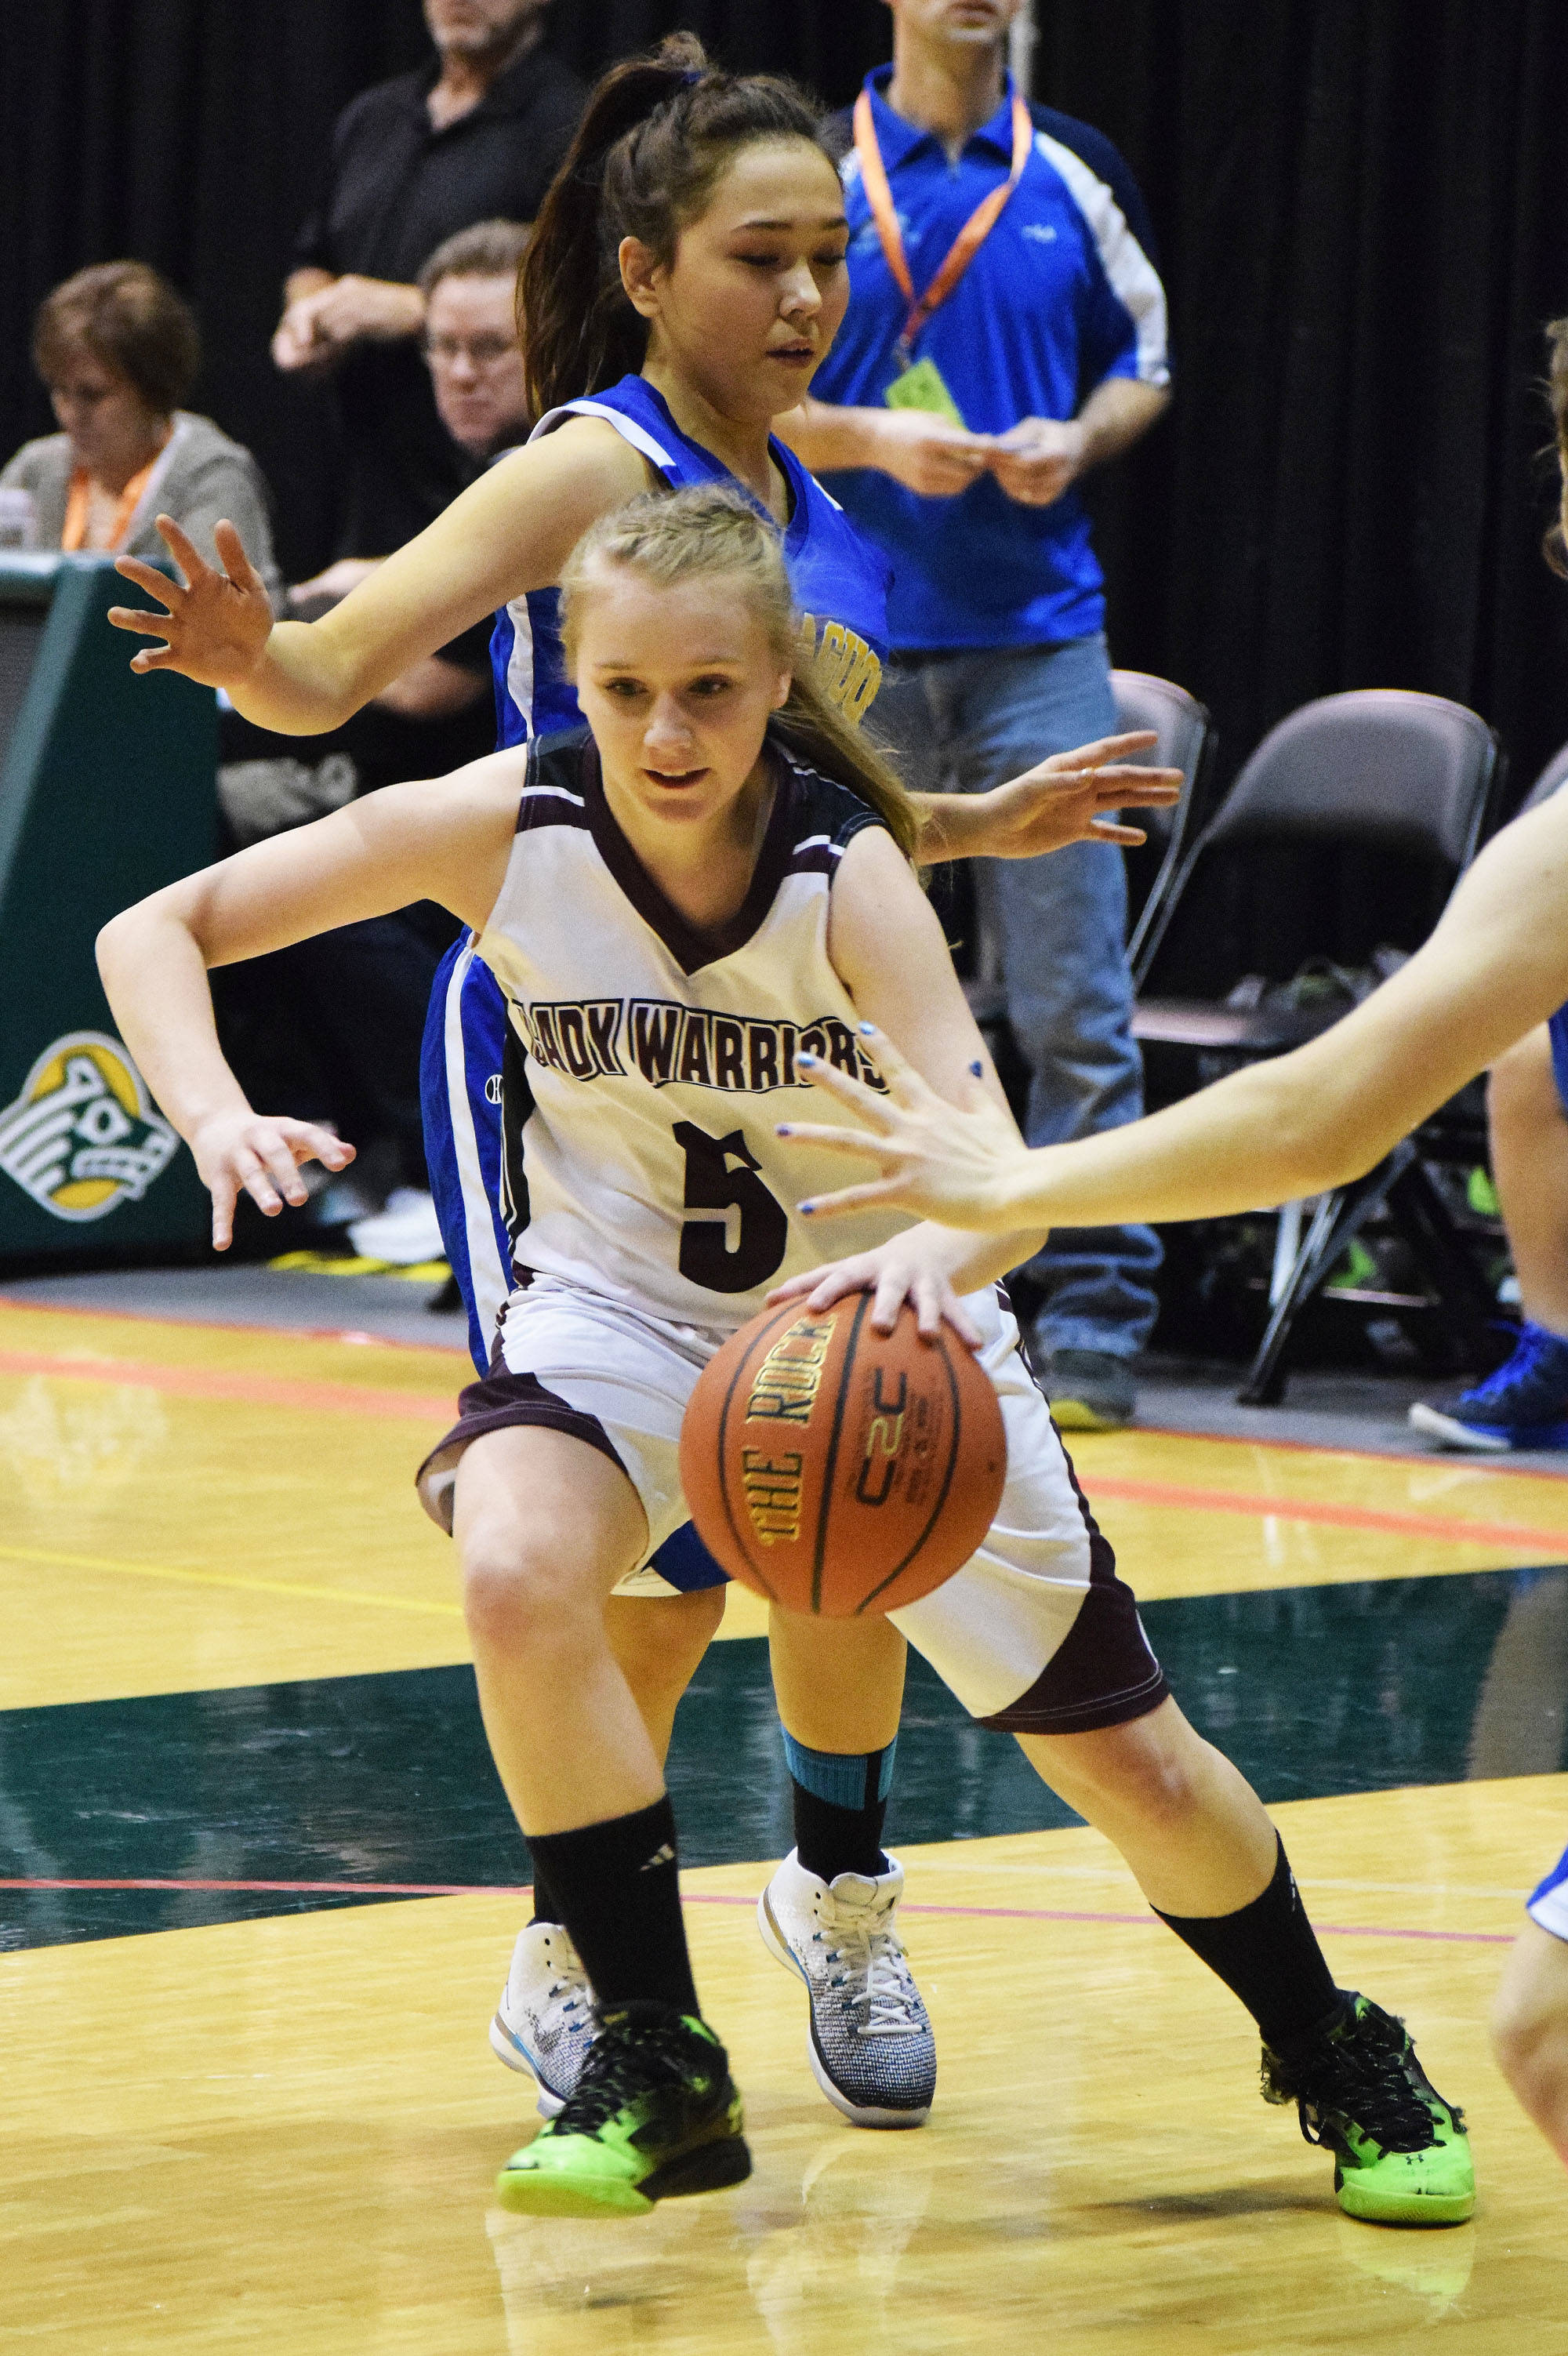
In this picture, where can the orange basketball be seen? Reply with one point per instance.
(838, 1469)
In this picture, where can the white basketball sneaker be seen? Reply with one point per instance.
(871, 2048)
(545, 2021)
(406, 1234)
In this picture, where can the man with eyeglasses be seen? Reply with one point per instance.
(470, 286)
(468, 290)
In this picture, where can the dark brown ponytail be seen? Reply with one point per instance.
(658, 131)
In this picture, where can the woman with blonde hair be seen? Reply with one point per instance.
(697, 904)
(685, 277)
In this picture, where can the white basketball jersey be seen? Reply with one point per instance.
(641, 1160)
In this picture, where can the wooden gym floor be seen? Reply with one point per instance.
(248, 2097)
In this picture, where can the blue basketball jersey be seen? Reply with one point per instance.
(841, 586)
(840, 580)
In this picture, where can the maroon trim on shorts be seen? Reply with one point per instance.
(1104, 1672)
(500, 1402)
(1101, 1674)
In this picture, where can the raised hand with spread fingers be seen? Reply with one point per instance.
(1060, 800)
(945, 1163)
(214, 626)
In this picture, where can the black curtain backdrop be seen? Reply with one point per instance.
(1363, 216)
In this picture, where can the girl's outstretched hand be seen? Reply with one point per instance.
(262, 1153)
(1061, 800)
(216, 626)
(951, 1165)
(907, 1268)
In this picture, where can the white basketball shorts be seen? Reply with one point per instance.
(1037, 1635)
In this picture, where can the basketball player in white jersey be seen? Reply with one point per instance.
(694, 904)
(685, 277)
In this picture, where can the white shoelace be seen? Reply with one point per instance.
(871, 1948)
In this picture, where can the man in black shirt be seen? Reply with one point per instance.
(479, 134)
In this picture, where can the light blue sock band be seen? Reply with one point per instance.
(839, 1777)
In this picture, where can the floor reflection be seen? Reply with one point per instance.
(345, 1781)
(759, 2269)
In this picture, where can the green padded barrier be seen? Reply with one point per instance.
(106, 792)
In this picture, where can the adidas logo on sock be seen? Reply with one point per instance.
(663, 1856)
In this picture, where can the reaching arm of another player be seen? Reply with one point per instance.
(509, 532)
(446, 840)
(887, 947)
(1496, 966)
(1059, 800)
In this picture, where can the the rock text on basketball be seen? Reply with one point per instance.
(787, 1383)
(772, 1489)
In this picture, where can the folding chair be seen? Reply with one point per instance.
(1186, 742)
(1412, 780)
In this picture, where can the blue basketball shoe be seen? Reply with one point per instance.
(1523, 1405)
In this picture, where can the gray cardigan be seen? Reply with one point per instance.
(201, 476)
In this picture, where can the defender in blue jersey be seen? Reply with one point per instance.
(841, 586)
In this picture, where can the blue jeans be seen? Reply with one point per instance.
(967, 721)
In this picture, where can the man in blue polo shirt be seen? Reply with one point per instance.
(1006, 331)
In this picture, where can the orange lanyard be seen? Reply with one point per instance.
(965, 245)
(74, 534)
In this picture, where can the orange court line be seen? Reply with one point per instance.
(249, 1390)
(355, 1398)
(1414, 1454)
(707, 1897)
(1452, 1527)
(350, 1333)
(694, 1898)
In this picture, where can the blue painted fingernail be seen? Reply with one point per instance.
(867, 1029)
(806, 1210)
(805, 1057)
(977, 1068)
(783, 1129)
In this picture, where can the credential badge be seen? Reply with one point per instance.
(83, 1135)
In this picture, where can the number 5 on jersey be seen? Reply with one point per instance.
(713, 1191)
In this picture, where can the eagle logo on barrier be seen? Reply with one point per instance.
(83, 1135)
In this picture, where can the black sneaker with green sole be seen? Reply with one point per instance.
(1401, 2154)
(655, 2114)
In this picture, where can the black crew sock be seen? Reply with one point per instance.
(545, 1909)
(840, 1804)
(1267, 1953)
(617, 1888)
